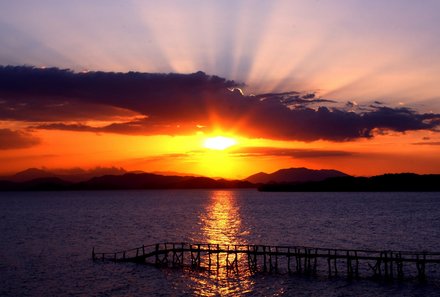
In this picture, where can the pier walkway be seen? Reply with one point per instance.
(253, 259)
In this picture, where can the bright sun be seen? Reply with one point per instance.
(219, 142)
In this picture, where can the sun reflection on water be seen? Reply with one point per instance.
(221, 224)
(221, 221)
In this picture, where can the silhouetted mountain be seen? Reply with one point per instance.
(127, 181)
(155, 181)
(71, 175)
(38, 184)
(403, 182)
(293, 175)
(29, 174)
(45, 184)
(79, 174)
(6, 185)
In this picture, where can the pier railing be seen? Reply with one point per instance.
(253, 259)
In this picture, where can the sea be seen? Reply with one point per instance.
(46, 239)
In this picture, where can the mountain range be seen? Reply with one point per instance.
(126, 181)
(292, 179)
(118, 178)
(294, 175)
(401, 182)
(69, 175)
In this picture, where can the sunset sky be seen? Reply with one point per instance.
(149, 85)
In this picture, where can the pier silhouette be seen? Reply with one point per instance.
(252, 259)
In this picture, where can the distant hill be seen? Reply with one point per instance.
(294, 175)
(29, 174)
(402, 182)
(302, 180)
(70, 175)
(155, 181)
(38, 184)
(128, 181)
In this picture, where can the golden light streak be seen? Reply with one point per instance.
(221, 224)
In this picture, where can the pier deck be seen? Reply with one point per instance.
(253, 259)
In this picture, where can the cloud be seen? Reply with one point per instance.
(12, 139)
(141, 126)
(52, 110)
(427, 143)
(172, 95)
(294, 153)
(176, 104)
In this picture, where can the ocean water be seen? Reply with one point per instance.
(46, 239)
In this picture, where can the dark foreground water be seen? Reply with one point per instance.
(46, 239)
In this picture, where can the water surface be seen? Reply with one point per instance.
(47, 237)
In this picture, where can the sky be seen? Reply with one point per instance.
(145, 85)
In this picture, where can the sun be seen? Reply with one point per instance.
(219, 143)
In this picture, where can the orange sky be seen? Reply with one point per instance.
(186, 154)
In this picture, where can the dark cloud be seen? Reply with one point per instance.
(294, 153)
(12, 139)
(181, 103)
(178, 96)
(294, 99)
(142, 126)
(49, 110)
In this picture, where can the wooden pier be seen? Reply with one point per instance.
(253, 259)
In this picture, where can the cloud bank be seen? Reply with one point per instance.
(12, 139)
(289, 152)
(179, 104)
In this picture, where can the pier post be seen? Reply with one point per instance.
(329, 263)
(391, 265)
(249, 259)
(420, 264)
(236, 260)
(264, 259)
(385, 262)
(357, 265)
(254, 258)
(349, 275)
(156, 255)
(399, 266)
(315, 262)
(270, 259)
(177, 258)
(209, 258)
(218, 258)
(227, 260)
(298, 260)
(306, 261)
(198, 256)
(306, 258)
